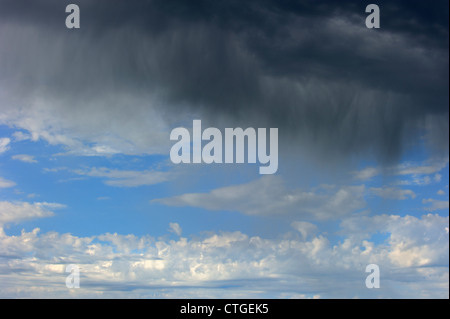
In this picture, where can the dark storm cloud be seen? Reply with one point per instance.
(311, 68)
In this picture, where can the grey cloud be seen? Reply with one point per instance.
(393, 193)
(269, 196)
(415, 170)
(125, 178)
(435, 205)
(133, 71)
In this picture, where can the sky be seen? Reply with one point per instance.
(363, 160)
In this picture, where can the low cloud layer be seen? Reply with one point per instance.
(413, 261)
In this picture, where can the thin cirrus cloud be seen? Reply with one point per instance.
(24, 158)
(5, 183)
(126, 178)
(117, 177)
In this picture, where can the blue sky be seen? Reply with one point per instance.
(82, 205)
(86, 177)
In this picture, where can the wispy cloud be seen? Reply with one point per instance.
(103, 198)
(424, 169)
(304, 228)
(24, 158)
(4, 144)
(4, 183)
(269, 196)
(175, 228)
(19, 211)
(415, 170)
(366, 173)
(21, 136)
(126, 178)
(435, 204)
(393, 193)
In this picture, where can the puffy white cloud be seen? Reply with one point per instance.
(410, 241)
(268, 196)
(418, 242)
(413, 261)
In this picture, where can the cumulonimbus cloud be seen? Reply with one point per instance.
(331, 86)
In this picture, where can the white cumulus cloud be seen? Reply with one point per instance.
(413, 261)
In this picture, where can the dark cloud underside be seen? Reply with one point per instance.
(311, 68)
